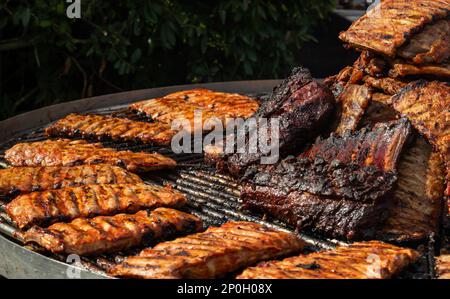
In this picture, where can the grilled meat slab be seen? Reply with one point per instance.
(392, 23)
(427, 106)
(21, 180)
(354, 101)
(443, 266)
(302, 106)
(64, 152)
(363, 260)
(211, 254)
(390, 86)
(402, 69)
(100, 127)
(338, 187)
(183, 104)
(51, 206)
(105, 234)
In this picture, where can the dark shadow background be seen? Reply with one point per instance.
(47, 58)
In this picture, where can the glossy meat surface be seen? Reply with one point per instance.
(105, 234)
(21, 180)
(100, 127)
(65, 152)
(373, 260)
(211, 254)
(46, 207)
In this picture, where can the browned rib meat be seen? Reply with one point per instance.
(443, 266)
(392, 23)
(427, 106)
(89, 201)
(358, 261)
(101, 127)
(182, 105)
(64, 152)
(104, 234)
(21, 180)
(416, 202)
(214, 253)
(354, 101)
(431, 45)
(388, 85)
(401, 69)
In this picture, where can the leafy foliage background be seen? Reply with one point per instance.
(122, 45)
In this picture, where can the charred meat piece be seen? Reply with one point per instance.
(431, 45)
(354, 101)
(338, 187)
(443, 266)
(427, 106)
(211, 254)
(21, 180)
(302, 107)
(416, 207)
(363, 260)
(64, 152)
(392, 23)
(401, 69)
(99, 127)
(182, 105)
(40, 208)
(390, 86)
(104, 234)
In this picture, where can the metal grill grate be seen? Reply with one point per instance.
(212, 197)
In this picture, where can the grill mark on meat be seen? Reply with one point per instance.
(100, 127)
(64, 152)
(212, 254)
(22, 180)
(355, 261)
(390, 86)
(392, 23)
(105, 234)
(302, 107)
(46, 207)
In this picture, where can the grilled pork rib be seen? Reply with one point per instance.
(183, 104)
(21, 180)
(393, 23)
(211, 254)
(45, 207)
(104, 234)
(358, 261)
(338, 187)
(100, 127)
(64, 152)
(302, 106)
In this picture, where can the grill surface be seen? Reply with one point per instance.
(213, 197)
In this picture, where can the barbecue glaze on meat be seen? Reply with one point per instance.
(211, 254)
(40, 208)
(21, 180)
(183, 104)
(99, 127)
(393, 23)
(302, 106)
(401, 69)
(104, 234)
(443, 266)
(339, 187)
(363, 260)
(64, 152)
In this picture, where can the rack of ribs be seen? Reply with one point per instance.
(339, 187)
(211, 254)
(105, 234)
(302, 107)
(363, 260)
(183, 104)
(65, 152)
(22, 180)
(100, 127)
(44, 207)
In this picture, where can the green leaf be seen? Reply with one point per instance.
(136, 55)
